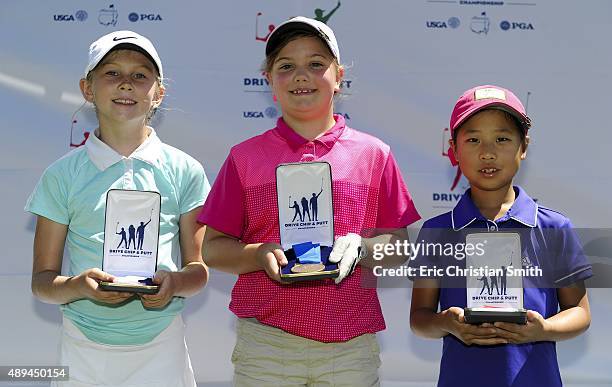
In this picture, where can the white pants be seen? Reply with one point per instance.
(163, 362)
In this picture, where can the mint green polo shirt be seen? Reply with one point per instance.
(72, 191)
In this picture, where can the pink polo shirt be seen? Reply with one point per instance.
(368, 192)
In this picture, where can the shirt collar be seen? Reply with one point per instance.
(524, 210)
(465, 212)
(328, 138)
(103, 156)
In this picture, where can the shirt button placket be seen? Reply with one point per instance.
(309, 152)
(128, 175)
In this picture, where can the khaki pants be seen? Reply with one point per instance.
(267, 356)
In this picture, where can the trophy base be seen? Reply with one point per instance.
(488, 315)
(294, 271)
(307, 268)
(146, 288)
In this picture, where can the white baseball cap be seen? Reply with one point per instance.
(102, 46)
(301, 22)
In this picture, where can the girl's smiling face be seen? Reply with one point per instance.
(304, 78)
(489, 149)
(124, 87)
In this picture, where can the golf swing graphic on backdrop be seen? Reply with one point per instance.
(131, 234)
(306, 220)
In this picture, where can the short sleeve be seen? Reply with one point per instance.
(194, 187)
(422, 261)
(50, 196)
(395, 206)
(224, 208)
(571, 265)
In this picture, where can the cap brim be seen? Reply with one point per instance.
(275, 38)
(131, 47)
(523, 120)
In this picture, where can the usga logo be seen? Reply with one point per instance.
(270, 112)
(507, 25)
(452, 22)
(134, 17)
(79, 15)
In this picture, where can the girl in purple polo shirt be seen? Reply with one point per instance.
(489, 140)
(317, 332)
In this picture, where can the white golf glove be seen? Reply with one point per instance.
(348, 250)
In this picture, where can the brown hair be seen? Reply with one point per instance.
(288, 37)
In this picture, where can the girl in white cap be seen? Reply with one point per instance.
(319, 332)
(115, 338)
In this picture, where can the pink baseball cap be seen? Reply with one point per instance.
(486, 97)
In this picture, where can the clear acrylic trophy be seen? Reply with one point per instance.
(131, 237)
(306, 220)
(495, 290)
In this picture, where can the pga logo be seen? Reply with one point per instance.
(507, 25)
(134, 17)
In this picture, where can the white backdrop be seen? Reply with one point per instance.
(407, 62)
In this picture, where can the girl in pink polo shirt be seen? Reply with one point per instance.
(322, 331)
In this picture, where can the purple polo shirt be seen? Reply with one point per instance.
(547, 242)
(368, 192)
